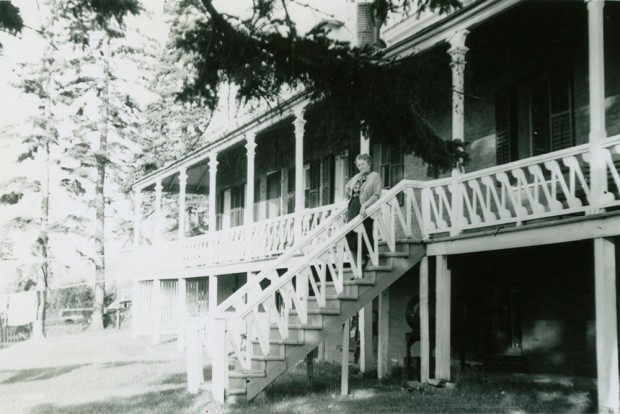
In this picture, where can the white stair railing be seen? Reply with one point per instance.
(249, 313)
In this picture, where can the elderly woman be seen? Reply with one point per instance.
(362, 190)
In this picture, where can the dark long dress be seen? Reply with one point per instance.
(352, 212)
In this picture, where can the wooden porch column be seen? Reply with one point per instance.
(364, 139)
(596, 45)
(442, 324)
(158, 216)
(137, 216)
(249, 186)
(182, 313)
(383, 357)
(212, 190)
(299, 124)
(156, 312)
(457, 52)
(212, 292)
(182, 190)
(424, 326)
(365, 327)
(344, 377)
(606, 326)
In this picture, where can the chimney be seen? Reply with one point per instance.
(368, 26)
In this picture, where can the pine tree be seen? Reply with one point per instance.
(85, 117)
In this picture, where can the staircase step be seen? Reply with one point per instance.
(267, 358)
(379, 268)
(320, 311)
(295, 326)
(235, 391)
(395, 254)
(247, 374)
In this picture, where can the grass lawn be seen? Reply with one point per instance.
(108, 372)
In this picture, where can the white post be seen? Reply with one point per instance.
(339, 183)
(212, 293)
(182, 313)
(212, 190)
(364, 139)
(606, 326)
(249, 186)
(596, 44)
(299, 123)
(344, 373)
(424, 323)
(442, 324)
(137, 217)
(182, 190)
(158, 215)
(195, 373)
(457, 53)
(156, 312)
(219, 364)
(365, 327)
(383, 357)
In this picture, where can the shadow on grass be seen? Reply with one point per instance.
(38, 374)
(170, 401)
(292, 393)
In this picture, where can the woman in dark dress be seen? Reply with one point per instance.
(362, 190)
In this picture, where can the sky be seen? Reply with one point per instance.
(29, 46)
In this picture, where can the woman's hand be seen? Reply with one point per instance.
(363, 212)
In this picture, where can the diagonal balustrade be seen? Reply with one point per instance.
(549, 186)
(262, 240)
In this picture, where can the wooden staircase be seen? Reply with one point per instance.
(272, 322)
(322, 321)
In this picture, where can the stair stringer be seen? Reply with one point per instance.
(333, 323)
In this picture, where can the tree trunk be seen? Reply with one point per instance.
(38, 328)
(99, 306)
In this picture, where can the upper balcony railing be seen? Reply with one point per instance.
(542, 187)
(545, 187)
(258, 241)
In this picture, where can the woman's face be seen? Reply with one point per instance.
(363, 166)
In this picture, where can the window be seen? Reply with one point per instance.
(312, 175)
(319, 182)
(237, 197)
(391, 168)
(274, 193)
(534, 116)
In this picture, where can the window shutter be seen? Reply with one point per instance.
(290, 190)
(502, 126)
(312, 194)
(561, 111)
(327, 191)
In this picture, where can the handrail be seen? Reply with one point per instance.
(219, 312)
(281, 259)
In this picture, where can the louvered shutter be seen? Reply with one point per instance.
(312, 193)
(327, 185)
(561, 110)
(502, 126)
(290, 190)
